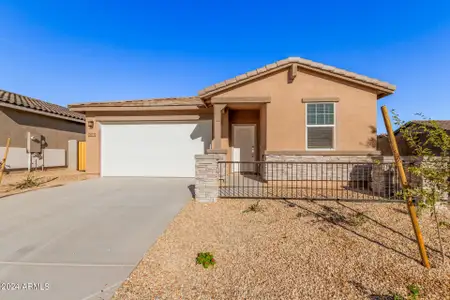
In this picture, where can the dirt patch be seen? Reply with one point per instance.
(291, 250)
(19, 182)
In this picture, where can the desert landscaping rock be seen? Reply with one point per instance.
(47, 178)
(291, 250)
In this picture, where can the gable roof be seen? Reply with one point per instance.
(154, 102)
(382, 88)
(33, 105)
(385, 88)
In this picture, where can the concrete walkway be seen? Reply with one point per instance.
(80, 241)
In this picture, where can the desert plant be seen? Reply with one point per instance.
(444, 224)
(397, 297)
(430, 145)
(29, 182)
(414, 291)
(255, 207)
(302, 214)
(205, 259)
(357, 219)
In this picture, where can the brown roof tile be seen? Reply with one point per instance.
(444, 124)
(38, 105)
(300, 61)
(173, 101)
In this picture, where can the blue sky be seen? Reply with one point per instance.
(66, 52)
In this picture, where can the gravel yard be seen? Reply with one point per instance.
(292, 250)
(11, 183)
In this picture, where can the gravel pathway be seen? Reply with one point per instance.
(292, 250)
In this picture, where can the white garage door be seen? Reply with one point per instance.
(153, 149)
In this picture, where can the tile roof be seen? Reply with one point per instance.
(173, 101)
(302, 62)
(444, 124)
(386, 87)
(39, 105)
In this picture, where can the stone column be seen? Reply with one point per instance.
(207, 177)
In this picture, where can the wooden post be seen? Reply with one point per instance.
(404, 181)
(2, 168)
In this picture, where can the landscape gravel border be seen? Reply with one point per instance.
(291, 250)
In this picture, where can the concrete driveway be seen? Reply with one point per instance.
(80, 241)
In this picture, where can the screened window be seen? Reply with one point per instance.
(320, 125)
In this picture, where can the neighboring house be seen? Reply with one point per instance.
(42, 127)
(403, 147)
(282, 111)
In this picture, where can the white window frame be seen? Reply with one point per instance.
(334, 127)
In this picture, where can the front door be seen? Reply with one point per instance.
(244, 140)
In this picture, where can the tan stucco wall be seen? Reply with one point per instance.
(57, 132)
(93, 135)
(262, 131)
(356, 111)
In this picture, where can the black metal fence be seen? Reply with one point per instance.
(310, 180)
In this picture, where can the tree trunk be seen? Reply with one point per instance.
(439, 233)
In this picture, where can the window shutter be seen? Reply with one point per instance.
(320, 137)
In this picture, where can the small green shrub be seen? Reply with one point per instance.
(205, 259)
(397, 297)
(414, 291)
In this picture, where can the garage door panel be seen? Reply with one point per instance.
(153, 149)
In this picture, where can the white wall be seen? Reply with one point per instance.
(18, 158)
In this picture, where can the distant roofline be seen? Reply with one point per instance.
(439, 122)
(33, 105)
(175, 103)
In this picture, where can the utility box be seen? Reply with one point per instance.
(34, 142)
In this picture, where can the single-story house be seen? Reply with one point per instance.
(403, 147)
(39, 131)
(285, 110)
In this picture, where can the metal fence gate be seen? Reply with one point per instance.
(312, 180)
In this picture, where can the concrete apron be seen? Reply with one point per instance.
(82, 240)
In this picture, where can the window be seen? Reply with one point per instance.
(320, 126)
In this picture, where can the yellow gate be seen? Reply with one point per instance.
(81, 156)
